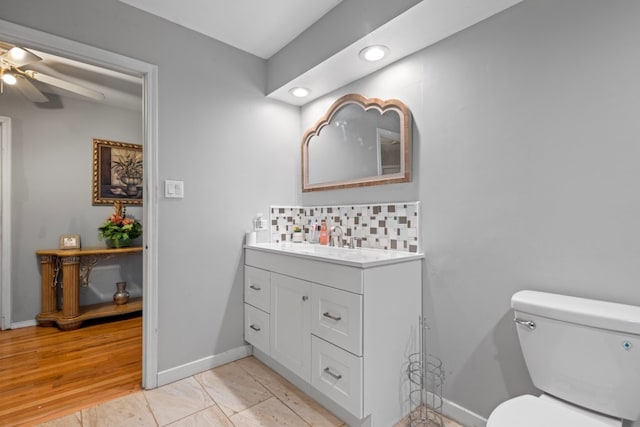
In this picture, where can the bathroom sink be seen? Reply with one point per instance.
(360, 257)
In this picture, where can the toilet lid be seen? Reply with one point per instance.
(531, 411)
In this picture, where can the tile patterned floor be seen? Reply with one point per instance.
(244, 393)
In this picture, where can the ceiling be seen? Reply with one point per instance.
(258, 27)
(279, 26)
(266, 28)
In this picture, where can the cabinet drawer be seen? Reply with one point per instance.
(337, 374)
(337, 317)
(257, 287)
(256, 328)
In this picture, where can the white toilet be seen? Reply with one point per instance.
(585, 357)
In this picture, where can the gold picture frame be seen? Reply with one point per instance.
(69, 241)
(117, 172)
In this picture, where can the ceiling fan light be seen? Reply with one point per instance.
(299, 92)
(17, 57)
(17, 53)
(9, 78)
(374, 53)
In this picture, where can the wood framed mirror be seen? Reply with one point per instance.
(359, 142)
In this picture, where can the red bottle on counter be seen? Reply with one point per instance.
(324, 234)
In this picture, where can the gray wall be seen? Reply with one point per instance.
(51, 167)
(526, 164)
(235, 150)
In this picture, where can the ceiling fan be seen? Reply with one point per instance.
(12, 61)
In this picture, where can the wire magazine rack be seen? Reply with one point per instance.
(426, 377)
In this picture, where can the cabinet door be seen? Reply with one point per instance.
(290, 326)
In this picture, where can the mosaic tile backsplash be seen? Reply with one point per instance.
(391, 226)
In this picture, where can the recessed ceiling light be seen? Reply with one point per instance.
(299, 92)
(374, 53)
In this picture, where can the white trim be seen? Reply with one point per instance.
(5, 227)
(462, 415)
(24, 324)
(39, 40)
(201, 365)
(150, 214)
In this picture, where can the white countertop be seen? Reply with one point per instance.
(359, 257)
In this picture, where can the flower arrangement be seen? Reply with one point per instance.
(119, 229)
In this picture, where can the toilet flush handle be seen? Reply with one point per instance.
(528, 323)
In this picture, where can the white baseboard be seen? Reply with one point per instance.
(24, 324)
(462, 415)
(201, 365)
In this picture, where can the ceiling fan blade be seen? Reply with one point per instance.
(29, 90)
(17, 57)
(71, 87)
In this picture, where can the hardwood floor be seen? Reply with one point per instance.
(46, 373)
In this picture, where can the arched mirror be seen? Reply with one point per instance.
(358, 142)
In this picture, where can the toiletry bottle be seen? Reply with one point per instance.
(313, 231)
(324, 235)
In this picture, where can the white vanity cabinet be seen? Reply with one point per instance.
(340, 330)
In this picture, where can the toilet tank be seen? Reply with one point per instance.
(581, 350)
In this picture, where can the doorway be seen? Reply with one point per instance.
(55, 45)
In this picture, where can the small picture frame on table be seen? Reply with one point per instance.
(70, 241)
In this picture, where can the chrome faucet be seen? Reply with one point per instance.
(336, 231)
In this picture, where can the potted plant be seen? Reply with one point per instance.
(128, 167)
(119, 230)
(297, 236)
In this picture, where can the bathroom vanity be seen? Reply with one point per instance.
(338, 323)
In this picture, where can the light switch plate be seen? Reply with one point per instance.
(174, 189)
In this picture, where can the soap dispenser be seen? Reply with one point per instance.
(324, 235)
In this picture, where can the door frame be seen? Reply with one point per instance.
(5, 225)
(39, 40)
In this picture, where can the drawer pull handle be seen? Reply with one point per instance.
(327, 370)
(255, 288)
(255, 328)
(304, 298)
(336, 318)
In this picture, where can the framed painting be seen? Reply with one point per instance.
(117, 172)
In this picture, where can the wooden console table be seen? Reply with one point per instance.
(75, 265)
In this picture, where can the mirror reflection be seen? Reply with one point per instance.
(360, 141)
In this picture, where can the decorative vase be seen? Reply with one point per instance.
(119, 243)
(297, 237)
(132, 183)
(122, 295)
